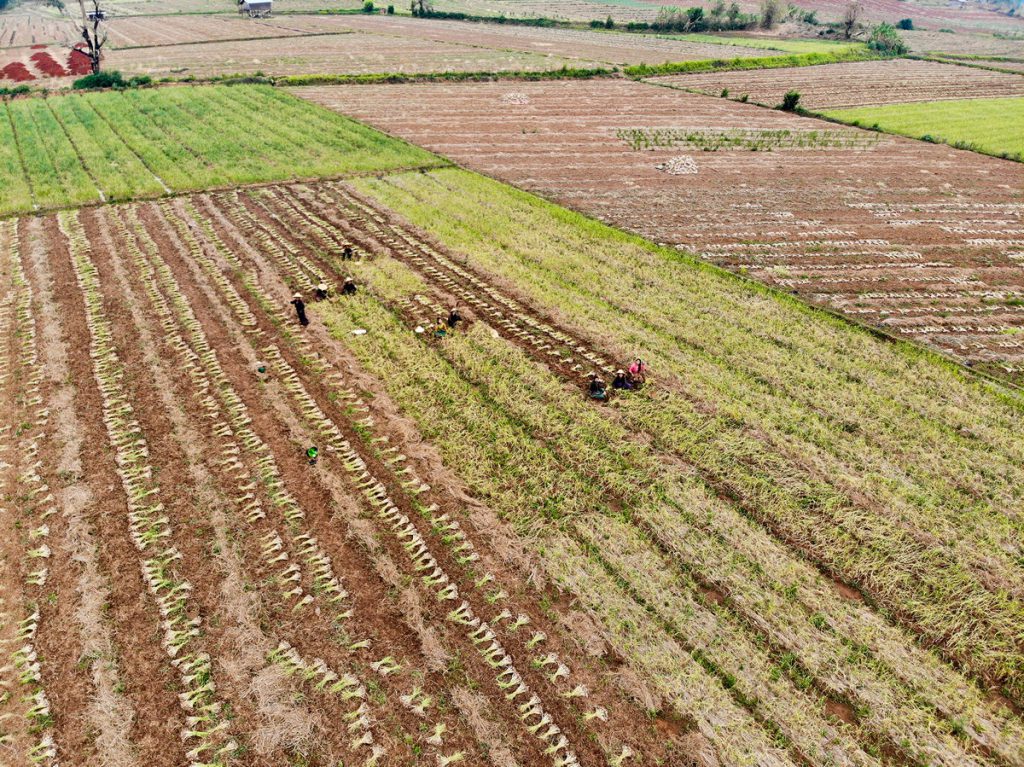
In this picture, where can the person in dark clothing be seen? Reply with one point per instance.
(349, 287)
(597, 387)
(621, 381)
(454, 318)
(300, 309)
(346, 254)
(321, 291)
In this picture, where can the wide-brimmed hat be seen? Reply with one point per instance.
(297, 295)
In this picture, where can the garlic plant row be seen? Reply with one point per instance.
(206, 735)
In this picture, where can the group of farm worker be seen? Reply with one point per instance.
(630, 379)
(321, 292)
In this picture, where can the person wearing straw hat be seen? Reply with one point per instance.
(596, 388)
(621, 381)
(300, 309)
(321, 291)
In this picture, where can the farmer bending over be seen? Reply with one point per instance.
(321, 291)
(346, 254)
(597, 387)
(349, 287)
(454, 318)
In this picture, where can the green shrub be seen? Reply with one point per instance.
(609, 23)
(744, 98)
(368, 6)
(885, 40)
(790, 101)
(905, 24)
(596, 24)
(98, 80)
(17, 90)
(391, 10)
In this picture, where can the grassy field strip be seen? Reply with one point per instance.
(63, 150)
(994, 126)
(812, 58)
(772, 44)
(573, 431)
(210, 738)
(307, 406)
(867, 423)
(530, 249)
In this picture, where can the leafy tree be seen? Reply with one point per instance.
(790, 101)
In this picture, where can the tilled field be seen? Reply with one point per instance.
(186, 588)
(335, 53)
(621, 49)
(921, 240)
(853, 84)
(139, 31)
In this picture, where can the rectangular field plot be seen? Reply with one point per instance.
(606, 47)
(995, 126)
(329, 54)
(75, 149)
(797, 546)
(918, 239)
(140, 31)
(862, 83)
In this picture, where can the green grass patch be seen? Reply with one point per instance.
(119, 145)
(565, 73)
(992, 126)
(786, 46)
(758, 62)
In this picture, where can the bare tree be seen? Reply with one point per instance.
(851, 18)
(95, 38)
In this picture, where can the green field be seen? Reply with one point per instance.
(993, 126)
(774, 44)
(83, 148)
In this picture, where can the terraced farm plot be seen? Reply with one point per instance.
(966, 44)
(607, 47)
(78, 149)
(995, 126)
(328, 54)
(918, 239)
(397, 584)
(861, 83)
(143, 31)
(27, 25)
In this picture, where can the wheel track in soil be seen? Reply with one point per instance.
(147, 676)
(293, 424)
(396, 484)
(305, 630)
(521, 330)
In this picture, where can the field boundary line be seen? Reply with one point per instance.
(232, 40)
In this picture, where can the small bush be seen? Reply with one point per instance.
(790, 101)
(905, 24)
(17, 90)
(744, 98)
(771, 13)
(391, 10)
(596, 24)
(811, 17)
(140, 81)
(725, 93)
(99, 80)
(609, 23)
(368, 6)
(885, 40)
